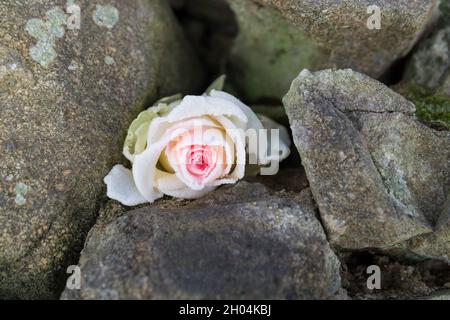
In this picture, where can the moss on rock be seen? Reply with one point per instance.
(433, 109)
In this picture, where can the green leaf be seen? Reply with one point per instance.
(217, 84)
(136, 140)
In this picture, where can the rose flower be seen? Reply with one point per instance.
(188, 147)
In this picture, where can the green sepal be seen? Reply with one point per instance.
(136, 139)
(169, 100)
(218, 84)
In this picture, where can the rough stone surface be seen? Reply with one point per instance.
(400, 279)
(341, 27)
(241, 241)
(271, 48)
(274, 40)
(429, 66)
(379, 177)
(437, 244)
(66, 97)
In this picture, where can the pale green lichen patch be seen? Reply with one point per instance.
(70, 3)
(21, 189)
(109, 60)
(73, 65)
(46, 32)
(106, 16)
(395, 182)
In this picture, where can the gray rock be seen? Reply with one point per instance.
(379, 177)
(67, 96)
(240, 242)
(342, 27)
(435, 245)
(429, 66)
(271, 48)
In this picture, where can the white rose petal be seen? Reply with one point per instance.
(239, 142)
(121, 187)
(160, 126)
(253, 122)
(284, 142)
(197, 106)
(170, 185)
(257, 123)
(144, 171)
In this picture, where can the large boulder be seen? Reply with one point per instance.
(277, 39)
(66, 97)
(379, 176)
(342, 27)
(240, 242)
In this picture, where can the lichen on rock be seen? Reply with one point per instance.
(46, 31)
(106, 16)
(21, 190)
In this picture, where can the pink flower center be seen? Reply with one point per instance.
(198, 160)
(195, 162)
